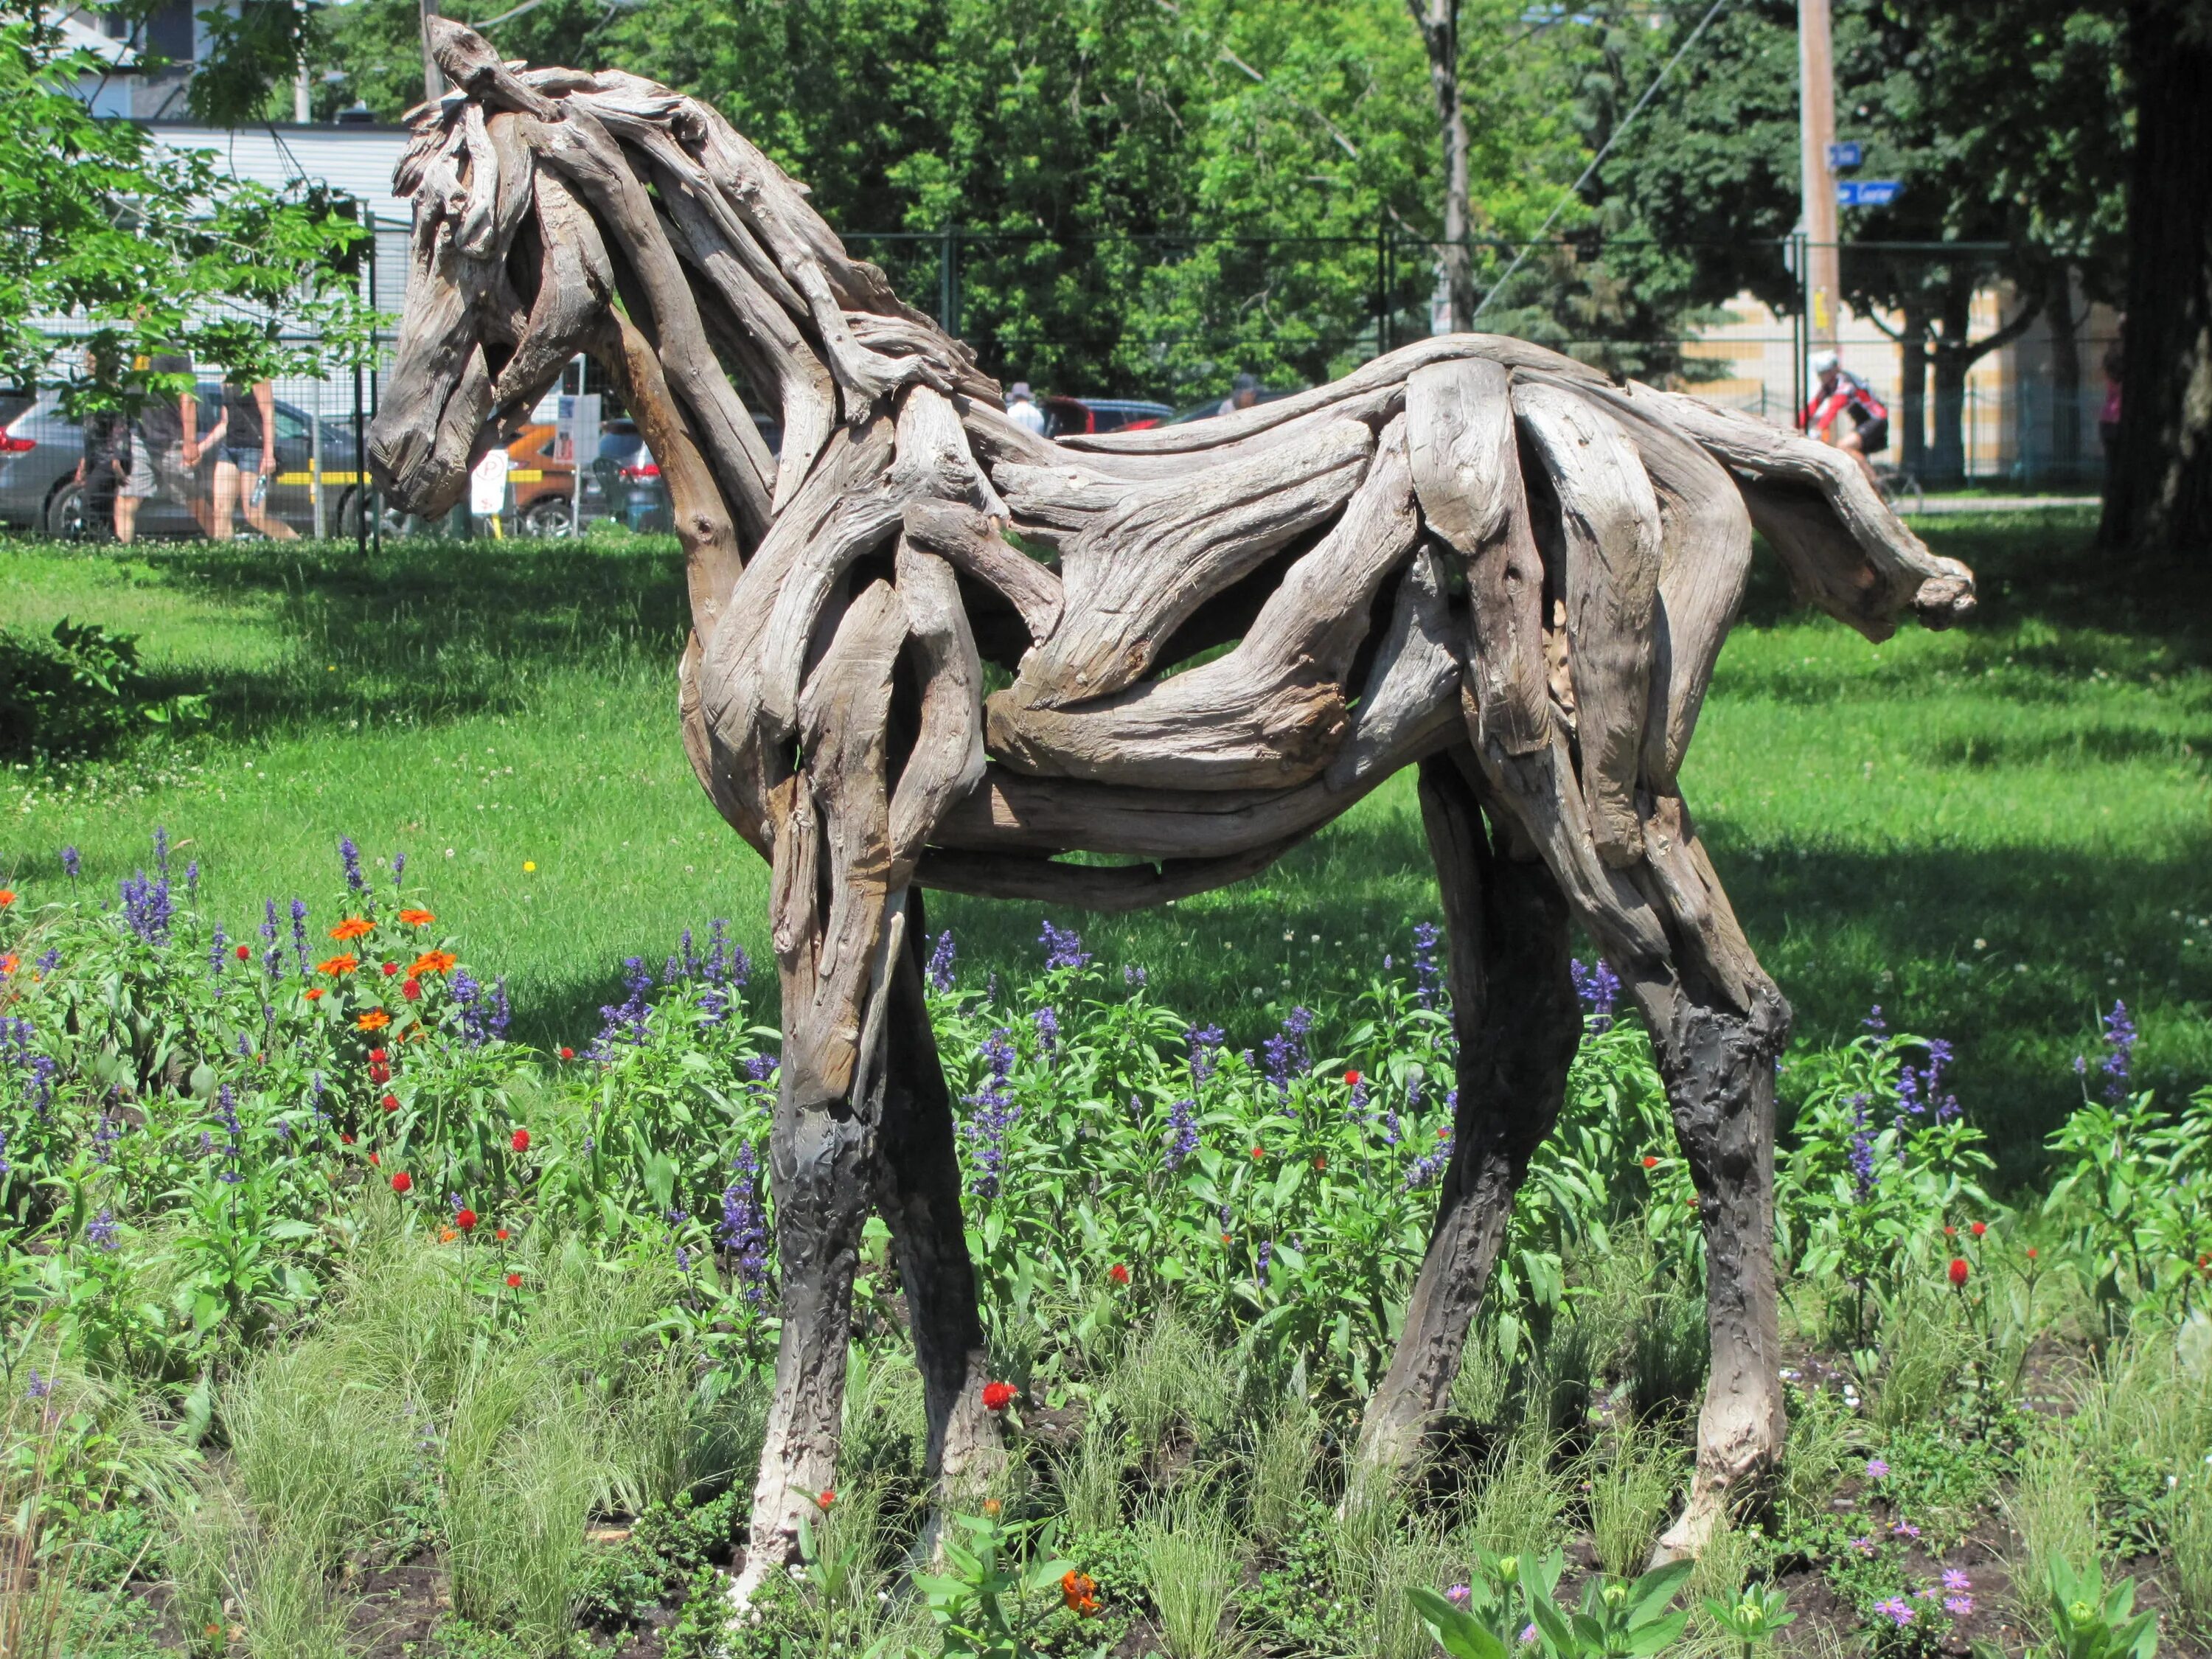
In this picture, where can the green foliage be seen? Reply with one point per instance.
(2089, 1622)
(1619, 1618)
(1001, 1586)
(79, 690)
(2134, 1184)
(157, 251)
(1753, 1618)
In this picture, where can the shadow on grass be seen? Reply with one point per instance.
(432, 629)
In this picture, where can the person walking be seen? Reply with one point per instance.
(168, 429)
(1841, 392)
(106, 472)
(1022, 409)
(1244, 392)
(245, 465)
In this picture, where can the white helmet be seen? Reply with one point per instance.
(1825, 362)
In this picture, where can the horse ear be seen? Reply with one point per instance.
(467, 60)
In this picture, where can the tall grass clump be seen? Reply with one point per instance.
(1631, 1491)
(1188, 1548)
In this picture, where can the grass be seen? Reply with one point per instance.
(1992, 832)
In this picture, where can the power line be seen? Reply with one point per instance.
(1598, 160)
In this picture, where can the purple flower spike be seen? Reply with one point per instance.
(940, 962)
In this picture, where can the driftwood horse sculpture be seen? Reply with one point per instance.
(1473, 555)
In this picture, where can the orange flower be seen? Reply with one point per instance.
(447, 1235)
(416, 918)
(337, 967)
(7, 964)
(315, 993)
(1079, 1592)
(433, 962)
(353, 927)
(6, 897)
(374, 1020)
(824, 1500)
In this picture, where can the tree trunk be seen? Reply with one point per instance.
(1946, 454)
(2067, 460)
(1439, 23)
(1912, 392)
(2161, 491)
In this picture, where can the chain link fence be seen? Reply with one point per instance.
(1983, 386)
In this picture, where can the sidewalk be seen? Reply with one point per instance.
(1939, 504)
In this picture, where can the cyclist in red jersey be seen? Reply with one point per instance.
(1841, 392)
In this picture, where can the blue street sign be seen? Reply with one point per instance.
(1843, 156)
(1867, 193)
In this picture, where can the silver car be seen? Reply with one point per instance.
(40, 447)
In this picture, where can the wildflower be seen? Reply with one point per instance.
(99, 1231)
(70, 867)
(1959, 1273)
(991, 1507)
(529, 866)
(374, 1020)
(465, 1220)
(374, 1161)
(377, 1056)
(337, 967)
(1259, 1152)
(1904, 1529)
(349, 855)
(1599, 988)
(514, 1281)
(1895, 1611)
(1118, 1273)
(353, 927)
(1950, 1232)
(1078, 1593)
(1063, 948)
(500, 1233)
(1426, 980)
(391, 1103)
(1959, 1606)
(1979, 1227)
(1955, 1580)
(940, 962)
(2031, 1253)
(401, 1182)
(1132, 974)
(1183, 1132)
(823, 1499)
(244, 952)
(1047, 1022)
(1352, 1079)
(433, 962)
(743, 1231)
(389, 969)
(997, 1396)
(521, 1141)
(7, 964)
(1285, 1054)
(447, 1235)
(6, 897)
(412, 990)
(1864, 1546)
(2120, 1050)
(1876, 1469)
(344, 1140)
(416, 918)
(568, 1053)
(995, 1113)
(1460, 1594)
(38, 1387)
(624, 1022)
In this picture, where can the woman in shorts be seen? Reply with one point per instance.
(247, 430)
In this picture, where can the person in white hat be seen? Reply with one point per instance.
(1838, 392)
(1021, 408)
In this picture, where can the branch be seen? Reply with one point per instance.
(1974, 350)
(1237, 62)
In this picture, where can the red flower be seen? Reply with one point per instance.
(567, 1053)
(6, 897)
(521, 1141)
(377, 1056)
(402, 1181)
(380, 1073)
(1979, 1227)
(514, 1281)
(1118, 1273)
(2031, 1253)
(390, 969)
(997, 1396)
(823, 1501)
(374, 1160)
(1352, 1079)
(465, 1220)
(1321, 1161)
(391, 1103)
(1959, 1272)
(1950, 1232)
(412, 990)
(1650, 1162)
(1259, 1151)
(345, 1139)
(244, 952)
(500, 1233)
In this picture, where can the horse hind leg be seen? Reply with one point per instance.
(1517, 1023)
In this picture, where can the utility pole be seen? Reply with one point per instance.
(434, 84)
(1816, 104)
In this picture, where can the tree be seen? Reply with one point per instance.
(2160, 490)
(116, 244)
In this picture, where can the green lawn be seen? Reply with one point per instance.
(1991, 833)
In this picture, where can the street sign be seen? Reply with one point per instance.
(1867, 193)
(1844, 155)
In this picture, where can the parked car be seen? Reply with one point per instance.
(1212, 406)
(40, 447)
(1063, 415)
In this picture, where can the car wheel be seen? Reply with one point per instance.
(65, 513)
(549, 517)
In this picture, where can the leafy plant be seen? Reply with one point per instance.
(77, 690)
(1619, 1619)
(990, 1603)
(1751, 1618)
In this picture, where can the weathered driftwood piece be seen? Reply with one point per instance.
(1544, 634)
